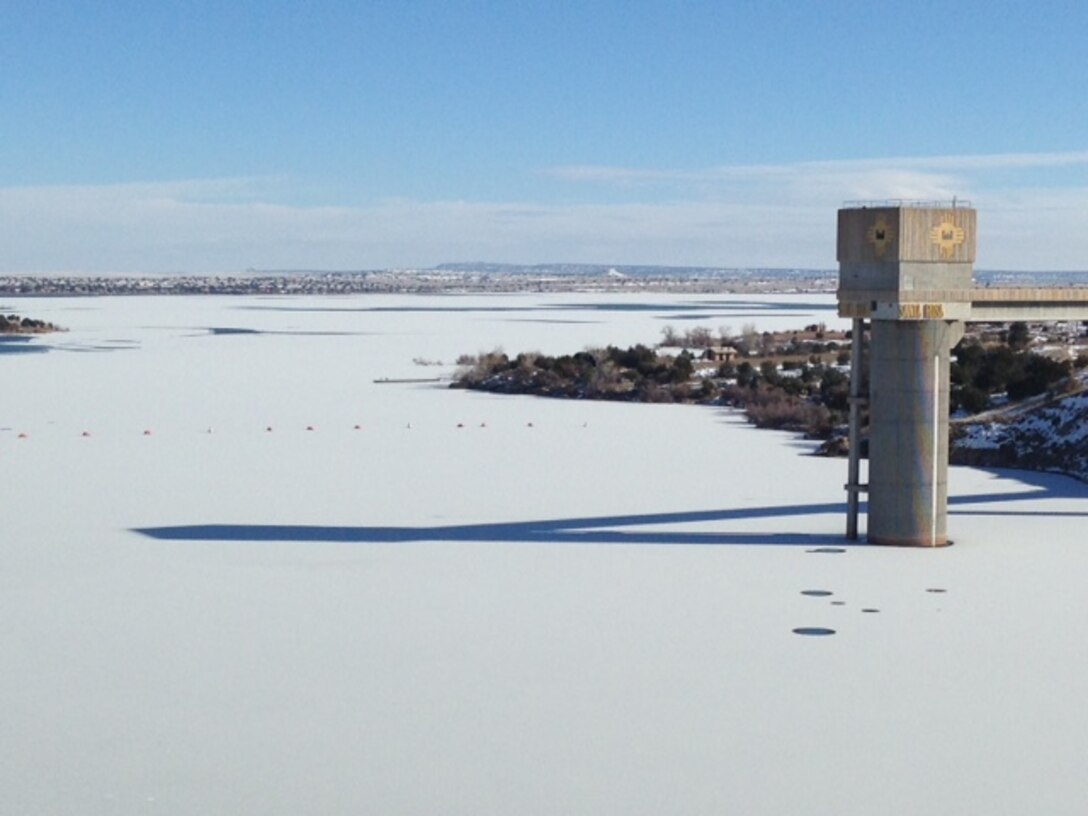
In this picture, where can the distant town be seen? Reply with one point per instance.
(475, 278)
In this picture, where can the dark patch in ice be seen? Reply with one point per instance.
(232, 330)
(238, 330)
(799, 306)
(729, 315)
(392, 309)
(88, 348)
(671, 311)
(870, 609)
(838, 603)
(552, 321)
(20, 344)
(936, 590)
(816, 593)
(828, 550)
(23, 344)
(816, 631)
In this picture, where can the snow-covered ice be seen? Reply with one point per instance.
(558, 607)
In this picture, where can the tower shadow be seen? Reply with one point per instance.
(585, 530)
(628, 529)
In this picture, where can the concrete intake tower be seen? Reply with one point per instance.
(906, 267)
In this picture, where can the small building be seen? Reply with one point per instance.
(720, 354)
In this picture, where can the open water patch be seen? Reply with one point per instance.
(228, 330)
(553, 321)
(20, 344)
(87, 348)
(399, 309)
(671, 311)
(235, 331)
(772, 305)
(730, 315)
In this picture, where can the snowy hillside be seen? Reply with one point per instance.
(1048, 434)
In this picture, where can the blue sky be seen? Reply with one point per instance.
(216, 136)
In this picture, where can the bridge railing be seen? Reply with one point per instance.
(952, 204)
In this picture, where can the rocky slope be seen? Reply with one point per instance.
(1046, 433)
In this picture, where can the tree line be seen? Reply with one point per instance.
(791, 383)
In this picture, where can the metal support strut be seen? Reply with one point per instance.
(854, 488)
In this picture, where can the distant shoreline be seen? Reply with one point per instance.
(423, 282)
(457, 279)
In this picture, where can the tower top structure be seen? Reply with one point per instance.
(905, 260)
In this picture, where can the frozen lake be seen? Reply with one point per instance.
(560, 607)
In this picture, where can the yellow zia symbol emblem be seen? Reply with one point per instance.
(946, 236)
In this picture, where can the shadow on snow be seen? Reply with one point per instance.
(553, 531)
(604, 529)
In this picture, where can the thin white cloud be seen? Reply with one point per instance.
(815, 184)
(775, 215)
(609, 174)
(145, 230)
(993, 161)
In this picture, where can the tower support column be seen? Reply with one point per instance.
(908, 431)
